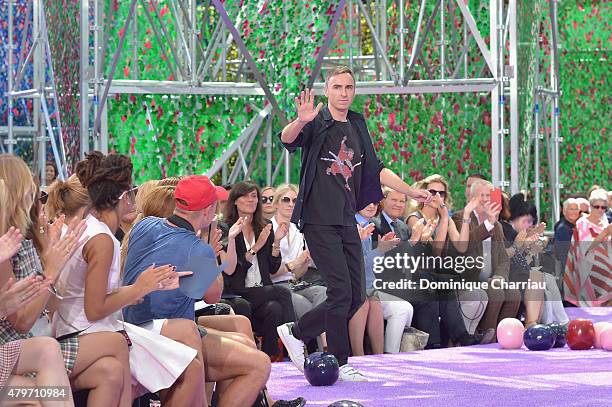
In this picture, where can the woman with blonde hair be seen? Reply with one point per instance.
(295, 256)
(93, 363)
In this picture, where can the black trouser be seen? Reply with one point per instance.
(336, 250)
(271, 306)
(439, 316)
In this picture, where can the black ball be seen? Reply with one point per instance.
(346, 403)
(560, 330)
(321, 369)
(539, 337)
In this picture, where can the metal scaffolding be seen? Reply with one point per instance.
(198, 69)
(42, 92)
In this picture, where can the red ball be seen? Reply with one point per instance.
(580, 334)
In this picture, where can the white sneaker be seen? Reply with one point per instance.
(349, 374)
(295, 347)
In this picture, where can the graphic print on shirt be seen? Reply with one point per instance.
(341, 163)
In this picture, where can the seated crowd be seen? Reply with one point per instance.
(92, 297)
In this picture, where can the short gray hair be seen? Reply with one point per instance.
(570, 201)
(477, 184)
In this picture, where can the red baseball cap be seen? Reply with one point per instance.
(197, 192)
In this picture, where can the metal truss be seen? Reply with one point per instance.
(42, 93)
(198, 69)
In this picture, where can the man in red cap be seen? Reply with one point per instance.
(174, 241)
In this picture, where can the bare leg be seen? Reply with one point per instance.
(356, 327)
(103, 367)
(534, 300)
(43, 356)
(376, 326)
(248, 369)
(188, 390)
(228, 323)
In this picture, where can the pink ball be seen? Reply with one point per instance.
(605, 338)
(599, 328)
(510, 333)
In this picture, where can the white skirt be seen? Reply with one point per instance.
(155, 361)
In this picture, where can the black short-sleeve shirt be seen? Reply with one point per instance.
(332, 200)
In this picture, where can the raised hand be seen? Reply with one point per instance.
(387, 242)
(305, 106)
(442, 208)
(471, 206)
(236, 228)
(10, 242)
(365, 232)
(493, 211)
(14, 295)
(428, 230)
(61, 249)
(281, 232)
(215, 240)
(263, 237)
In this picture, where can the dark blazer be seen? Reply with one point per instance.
(500, 264)
(267, 265)
(382, 227)
(368, 189)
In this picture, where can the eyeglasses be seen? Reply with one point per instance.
(441, 193)
(286, 199)
(266, 199)
(603, 208)
(43, 197)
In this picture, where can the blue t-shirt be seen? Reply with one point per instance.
(154, 241)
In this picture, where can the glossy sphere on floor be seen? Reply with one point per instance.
(321, 369)
(539, 337)
(580, 334)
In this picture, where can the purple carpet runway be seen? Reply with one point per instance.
(469, 376)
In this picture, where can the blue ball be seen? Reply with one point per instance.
(346, 403)
(539, 337)
(560, 330)
(321, 369)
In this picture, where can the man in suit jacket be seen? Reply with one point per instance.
(393, 206)
(487, 240)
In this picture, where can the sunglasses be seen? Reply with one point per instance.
(132, 192)
(441, 193)
(603, 208)
(266, 199)
(43, 197)
(286, 199)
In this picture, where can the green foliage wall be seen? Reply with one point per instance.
(415, 135)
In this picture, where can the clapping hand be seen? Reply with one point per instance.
(162, 278)
(263, 237)
(365, 232)
(471, 206)
(60, 249)
(281, 232)
(305, 106)
(236, 228)
(10, 242)
(215, 240)
(387, 242)
(14, 295)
